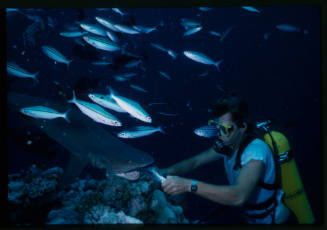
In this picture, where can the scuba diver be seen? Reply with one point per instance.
(258, 185)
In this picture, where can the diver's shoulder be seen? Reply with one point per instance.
(258, 143)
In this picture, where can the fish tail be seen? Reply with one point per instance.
(217, 64)
(35, 78)
(111, 91)
(161, 130)
(73, 99)
(37, 73)
(67, 63)
(66, 116)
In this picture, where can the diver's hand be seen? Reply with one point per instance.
(175, 185)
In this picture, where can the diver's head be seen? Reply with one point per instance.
(231, 121)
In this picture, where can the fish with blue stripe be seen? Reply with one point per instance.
(44, 112)
(14, 69)
(55, 55)
(206, 131)
(130, 106)
(202, 58)
(139, 131)
(95, 112)
(101, 43)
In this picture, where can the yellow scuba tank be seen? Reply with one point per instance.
(295, 197)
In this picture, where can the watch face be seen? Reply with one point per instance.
(194, 187)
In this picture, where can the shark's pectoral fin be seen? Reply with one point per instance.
(73, 169)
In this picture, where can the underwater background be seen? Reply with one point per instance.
(277, 72)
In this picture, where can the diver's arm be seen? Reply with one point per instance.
(238, 193)
(193, 162)
(235, 195)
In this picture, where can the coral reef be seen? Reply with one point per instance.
(31, 193)
(113, 200)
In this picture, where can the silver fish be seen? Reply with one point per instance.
(95, 112)
(192, 31)
(94, 29)
(118, 11)
(132, 107)
(138, 88)
(120, 78)
(72, 34)
(154, 172)
(206, 131)
(101, 63)
(159, 47)
(139, 131)
(106, 101)
(168, 51)
(225, 33)
(165, 75)
(202, 58)
(172, 54)
(112, 36)
(144, 29)
(290, 28)
(127, 75)
(55, 55)
(204, 9)
(44, 113)
(126, 29)
(17, 71)
(10, 10)
(187, 23)
(204, 74)
(107, 23)
(101, 43)
(102, 9)
(215, 33)
(133, 63)
(251, 9)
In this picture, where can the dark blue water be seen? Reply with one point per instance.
(278, 76)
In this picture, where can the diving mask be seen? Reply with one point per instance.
(223, 129)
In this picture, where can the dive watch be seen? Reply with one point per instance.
(194, 186)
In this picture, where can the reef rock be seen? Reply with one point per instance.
(101, 214)
(113, 200)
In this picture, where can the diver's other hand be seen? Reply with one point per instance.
(175, 185)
